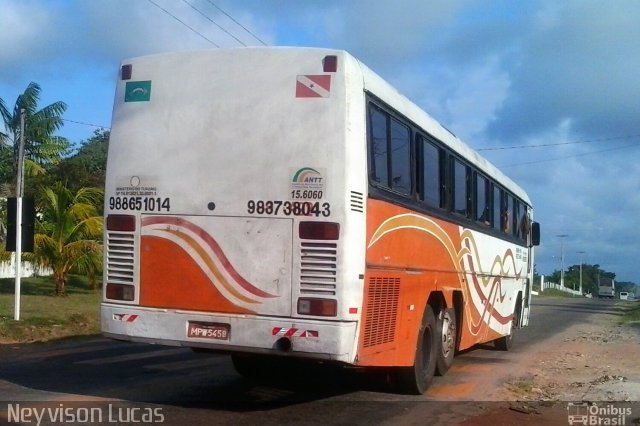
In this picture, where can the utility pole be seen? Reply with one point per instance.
(581, 253)
(19, 194)
(562, 237)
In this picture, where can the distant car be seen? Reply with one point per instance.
(624, 295)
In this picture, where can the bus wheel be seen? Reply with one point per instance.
(417, 378)
(506, 343)
(447, 331)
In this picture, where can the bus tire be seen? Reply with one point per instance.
(447, 330)
(506, 343)
(417, 378)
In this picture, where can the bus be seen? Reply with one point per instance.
(282, 203)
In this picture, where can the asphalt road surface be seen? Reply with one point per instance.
(129, 380)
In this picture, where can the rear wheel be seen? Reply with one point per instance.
(447, 331)
(417, 378)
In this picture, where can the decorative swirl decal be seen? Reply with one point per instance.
(487, 288)
(206, 252)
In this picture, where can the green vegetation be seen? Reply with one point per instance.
(69, 234)
(45, 317)
(68, 240)
(64, 185)
(521, 386)
(552, 292)
(42, 147)
(632, 314)
(590, 276)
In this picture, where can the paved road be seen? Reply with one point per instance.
(194, 388)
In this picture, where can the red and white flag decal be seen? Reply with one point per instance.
(125, 317)
(313, 86)
(294, 332)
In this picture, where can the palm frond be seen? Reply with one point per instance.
(32, 169)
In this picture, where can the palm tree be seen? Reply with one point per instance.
(68, 233)
(41, 146)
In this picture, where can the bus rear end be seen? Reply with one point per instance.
(228, 206)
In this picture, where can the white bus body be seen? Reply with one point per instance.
(241, 215)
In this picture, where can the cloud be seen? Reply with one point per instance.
(576, 60)
(22, 36)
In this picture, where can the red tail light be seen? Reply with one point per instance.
(318, 307)
(319, 230)
(120, 292)
(121, 222)
(126, 72)
(330, 63)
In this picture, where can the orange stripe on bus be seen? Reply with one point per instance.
(169, 278)
(212, 267)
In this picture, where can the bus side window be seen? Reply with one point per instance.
(378, 123)
(523, 222)
(400, 157)
(482, 197)
(507, 213)
(497, 208)
(516, 218)
(430, 173)
(460, 176)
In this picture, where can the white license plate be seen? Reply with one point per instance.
(205, 330)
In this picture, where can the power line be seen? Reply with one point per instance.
(613, 138)
(182, 22)
(238, 23)
(214, 22)
(85, 124)
(571, 156)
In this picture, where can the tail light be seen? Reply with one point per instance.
(318, 307)
(330, 63)
(126, 72)
(120, 292)
(319, 230)
(121, 222)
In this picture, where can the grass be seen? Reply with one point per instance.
(44, 316)
(552, 292)
(520, 386)
(632, 314)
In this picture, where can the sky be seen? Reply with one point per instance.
(547, 90)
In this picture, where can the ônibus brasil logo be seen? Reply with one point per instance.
(308, 178)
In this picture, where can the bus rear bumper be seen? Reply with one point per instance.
(305, 338)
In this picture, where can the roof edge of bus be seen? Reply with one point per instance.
(238, 48)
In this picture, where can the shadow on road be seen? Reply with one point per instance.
(110, 370)
(100, 368)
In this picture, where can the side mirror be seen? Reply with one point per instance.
(535, 234)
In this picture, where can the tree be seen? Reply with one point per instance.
(87, 167)
(68, 233)
(41, 145)
(590, 274)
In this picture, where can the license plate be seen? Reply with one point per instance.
(207, 330)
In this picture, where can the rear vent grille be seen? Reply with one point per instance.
(120, 257)
(357, 202)
(318, 268)
(382, 311)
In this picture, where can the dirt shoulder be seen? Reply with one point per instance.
(587, 368)
(592, 361)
